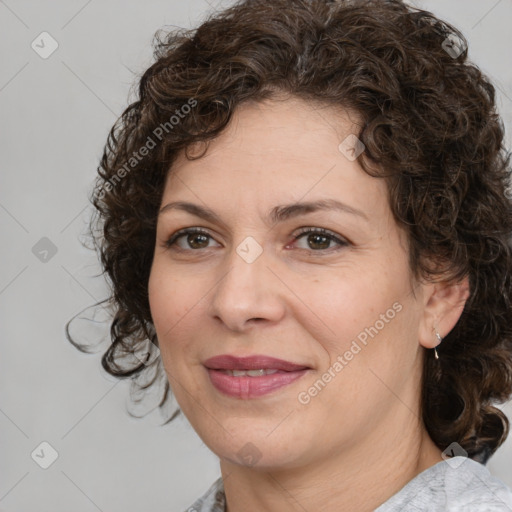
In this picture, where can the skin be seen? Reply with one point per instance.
(361, 438)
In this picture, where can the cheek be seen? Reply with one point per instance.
(345, 306)
(170, 301)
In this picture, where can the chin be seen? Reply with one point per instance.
(258, 449)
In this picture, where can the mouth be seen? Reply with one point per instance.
(252, 376)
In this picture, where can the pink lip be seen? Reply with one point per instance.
(229, 362)
(251, 387)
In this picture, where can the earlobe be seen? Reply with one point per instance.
(444, 303)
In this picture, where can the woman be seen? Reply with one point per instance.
(306, 211)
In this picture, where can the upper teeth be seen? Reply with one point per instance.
(250, 373)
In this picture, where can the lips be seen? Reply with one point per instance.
(252, 376)
(257, 362)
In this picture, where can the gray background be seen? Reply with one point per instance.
(56, 114)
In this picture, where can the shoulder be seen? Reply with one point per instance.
(213, 500)
(459, 484)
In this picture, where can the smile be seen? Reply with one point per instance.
(251, 376)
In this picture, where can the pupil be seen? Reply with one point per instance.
(316, 239)
(195, 237)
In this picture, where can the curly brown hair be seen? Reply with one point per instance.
(429, 120)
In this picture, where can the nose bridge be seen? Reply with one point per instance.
(247, 291)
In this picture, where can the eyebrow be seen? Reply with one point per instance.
(277, 214)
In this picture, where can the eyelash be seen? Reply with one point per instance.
(302, 232)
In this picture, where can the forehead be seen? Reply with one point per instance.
(276, 152)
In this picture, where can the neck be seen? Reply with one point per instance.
(354, 479)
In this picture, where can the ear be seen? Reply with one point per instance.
(443, 305)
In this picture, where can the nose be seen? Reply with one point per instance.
(247, 292)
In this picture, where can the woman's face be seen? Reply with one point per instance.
(262, 280)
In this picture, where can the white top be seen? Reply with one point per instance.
(458, 484)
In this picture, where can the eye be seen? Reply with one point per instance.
(195, 238)
(319, 239)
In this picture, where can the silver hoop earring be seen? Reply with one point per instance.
(440, 339)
